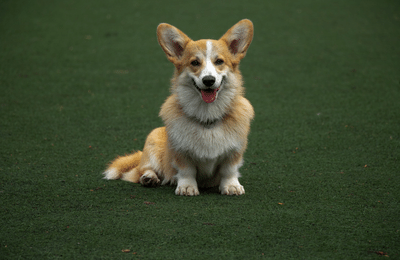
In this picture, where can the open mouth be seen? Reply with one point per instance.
(208, 95)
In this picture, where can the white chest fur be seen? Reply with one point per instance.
(187, 136)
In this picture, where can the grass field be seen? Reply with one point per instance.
(83, 81)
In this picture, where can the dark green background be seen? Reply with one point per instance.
(83, 81)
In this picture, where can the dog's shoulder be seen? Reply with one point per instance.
(171, 109)
(242, 109)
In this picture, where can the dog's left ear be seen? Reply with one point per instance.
(239, 37)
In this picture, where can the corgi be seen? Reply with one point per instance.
(206, 117)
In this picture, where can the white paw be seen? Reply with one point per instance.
(231, 187)
(187, 190)
(149, 179)
(232, 190)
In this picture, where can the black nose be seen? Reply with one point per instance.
(208, 81)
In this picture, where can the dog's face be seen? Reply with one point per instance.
(205, 65)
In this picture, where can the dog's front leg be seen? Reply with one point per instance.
(230, 184)
(186, 178)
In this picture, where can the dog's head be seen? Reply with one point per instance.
(206, 66)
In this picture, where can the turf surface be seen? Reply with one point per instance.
(83, 81)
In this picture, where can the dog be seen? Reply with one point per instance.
(207, 119)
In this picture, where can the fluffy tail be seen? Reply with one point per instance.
(124, 167)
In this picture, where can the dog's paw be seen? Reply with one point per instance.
(232, 190)
(187, 190)
(149, 179)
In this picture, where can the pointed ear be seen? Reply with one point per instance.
(239, 37)
(172, 41)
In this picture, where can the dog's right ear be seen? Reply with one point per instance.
(172, 41)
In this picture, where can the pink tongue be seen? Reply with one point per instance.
(209, 95)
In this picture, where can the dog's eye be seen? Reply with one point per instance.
(195, 63)
(219, 62)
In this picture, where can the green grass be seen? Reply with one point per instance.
(83, 81)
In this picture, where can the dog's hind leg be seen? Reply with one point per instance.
(150, 179)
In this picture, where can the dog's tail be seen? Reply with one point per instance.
(125, 168)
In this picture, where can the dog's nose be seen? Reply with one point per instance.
(208, 81)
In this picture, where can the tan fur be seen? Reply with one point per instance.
(201, 144)
(128, 162)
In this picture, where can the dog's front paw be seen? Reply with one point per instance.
(187, 190)
(232, 190)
